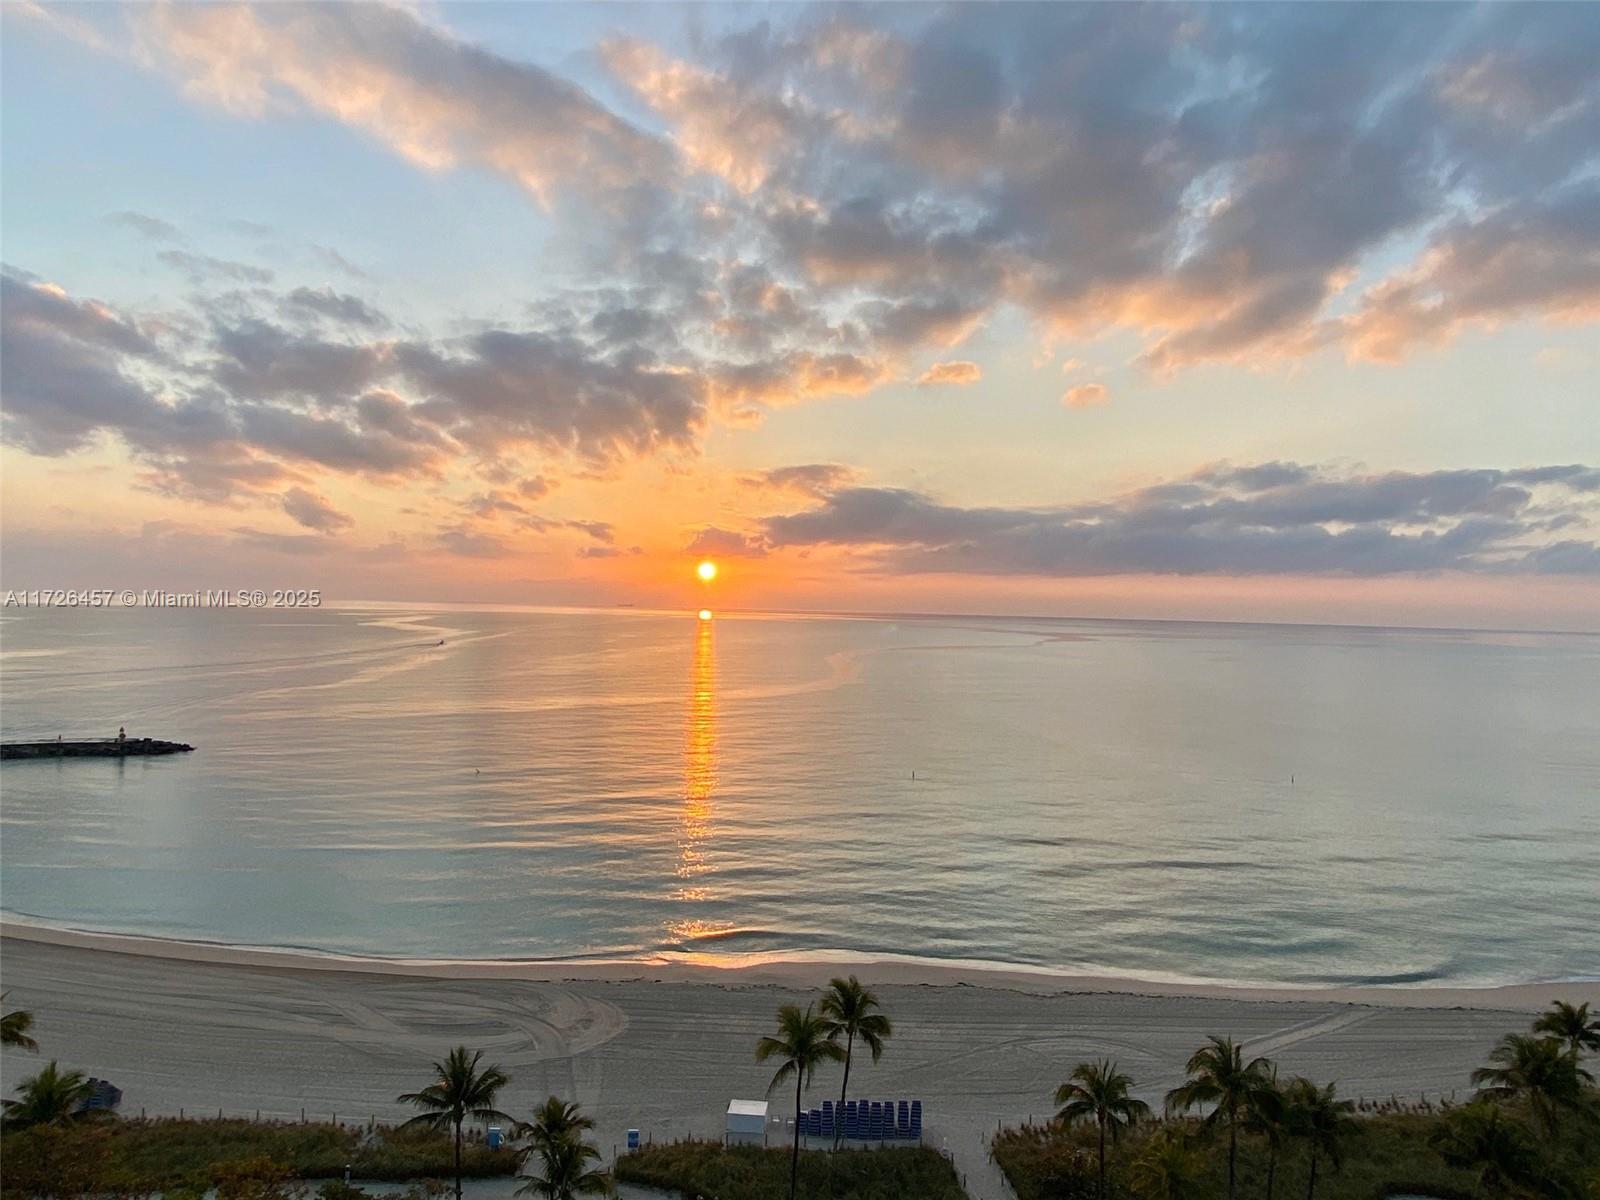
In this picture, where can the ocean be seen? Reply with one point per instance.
(1175, 801)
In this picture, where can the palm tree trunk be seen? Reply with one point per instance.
(458, 1158)
(1233, 1150)
(1102, 1191)
(794, 1158)
(1311, 1181)
(1272, 1167)
(844, 1090)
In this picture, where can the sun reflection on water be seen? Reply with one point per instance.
(699, 788)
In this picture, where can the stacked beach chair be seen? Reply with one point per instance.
(865, 1121)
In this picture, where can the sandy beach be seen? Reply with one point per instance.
(663, 1048)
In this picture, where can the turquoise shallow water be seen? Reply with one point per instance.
(1244, 803)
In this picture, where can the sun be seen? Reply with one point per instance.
(705, 614)
(707, 570)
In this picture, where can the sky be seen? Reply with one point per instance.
(1276, 313)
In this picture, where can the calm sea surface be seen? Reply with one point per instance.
(1243, 803)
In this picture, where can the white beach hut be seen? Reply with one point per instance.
(747, 1123)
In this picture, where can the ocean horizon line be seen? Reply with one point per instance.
(623, 609)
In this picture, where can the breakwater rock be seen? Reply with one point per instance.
(117, 747)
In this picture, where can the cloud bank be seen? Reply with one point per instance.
(1266, 519)
(844, 186)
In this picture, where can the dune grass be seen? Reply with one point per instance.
(128, 1155)
(717, 1172)
(1389, 1156)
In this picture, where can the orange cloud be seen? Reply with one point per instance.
(436, 101)
(1085, 395)
(960, 372)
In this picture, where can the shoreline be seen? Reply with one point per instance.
(798, 971)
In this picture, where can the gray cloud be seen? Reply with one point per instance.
(153, 228)
(65, 369)
(221, 476)
(846, 187)
(808, 479)
(1276, 518)
(314, 511)
(248, 390)
(1208, 181)
(332, 258)
(725, 543)
(334, 306)
(285, 543)
(203, 268)
(554, 391)
(458, 539)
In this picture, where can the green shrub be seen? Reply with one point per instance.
(720, 1172)
(1045, 1162)
(133, 1156)
(1391, 1156)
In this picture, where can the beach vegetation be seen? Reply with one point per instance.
(1322, 1122)
(259, 1178)
(48, 1097)
(1221, 1079)
(805, 1040)
(1571, 1025)
(1539, 1073)
(854, 1013)
(555, 1121)
(57, 1162)
(112, 1156)
(1268, 1119)
(1531, 1130)
(1097, 1092)
(1167, 1168)
(710, 1169)
(560, 1155)
(14, 1027)
(461, 1090)
(1480, 1137)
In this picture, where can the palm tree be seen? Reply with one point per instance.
(555, 1135)
(1571, 1025)
(1219, 1076)
(1098, 1092)
(1537, 1071)
(1477, 1137)
(1323, 1121)
(848, 1007)
(556, 1121)
(1268, 1116)
(14, 1028)
(50, 1096)
(804, 1041)
(567, 1174)
(1167, 1169)
(459, 1090)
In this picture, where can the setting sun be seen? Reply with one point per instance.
(705, 614)
(707, 570)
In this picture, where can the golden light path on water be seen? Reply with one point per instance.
(699, 786)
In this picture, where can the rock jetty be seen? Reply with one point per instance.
(117, 747)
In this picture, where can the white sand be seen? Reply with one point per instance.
(664, 1048)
